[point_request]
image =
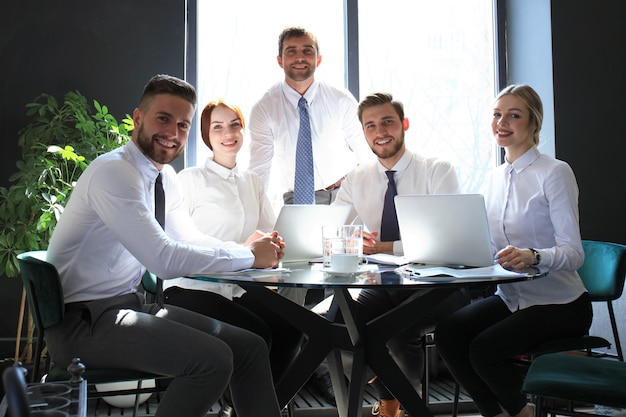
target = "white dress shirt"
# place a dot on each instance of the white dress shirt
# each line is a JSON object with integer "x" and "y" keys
{"x": 336, "y": 133}
{"x": 364, "y": 188}
{"x": 533, "y": 203}
{"x": 226, "y": 204}
{"x": 107, "y": 236}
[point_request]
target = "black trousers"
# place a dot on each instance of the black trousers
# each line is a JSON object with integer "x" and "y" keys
{"x": 204, "y": 355}
{"x": 406, "y": 348}
{"x": 480, "y": 341}
{"x": 282, "y": 339}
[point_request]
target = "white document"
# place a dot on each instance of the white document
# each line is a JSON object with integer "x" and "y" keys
{"x": 495, "y": 270}
{"x": 386, "y": 259}
{"x": 256, "y": 272}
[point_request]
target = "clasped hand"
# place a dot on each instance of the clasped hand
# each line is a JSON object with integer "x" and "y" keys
{"x": 267, "y": 249}
{"x": 372, "y": 246}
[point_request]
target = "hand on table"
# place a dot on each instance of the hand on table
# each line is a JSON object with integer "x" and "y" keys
{"x": 515, "y": 258}
{"x": 372, "y": 246}
{"x": 267, "y": 249}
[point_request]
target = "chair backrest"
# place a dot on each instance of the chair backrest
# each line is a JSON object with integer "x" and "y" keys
{"x": 43, "y": 288}
{"x": 604, "y": 269}
{"x": 15, "y": 392}
{"x": 149, "y": 282}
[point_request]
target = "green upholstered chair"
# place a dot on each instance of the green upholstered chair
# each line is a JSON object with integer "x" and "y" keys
{"x": 603, "y": 274}
{"x": 149, "y": 284}
{"x": 587, "y": 380}
{"x": 45, "y": 299}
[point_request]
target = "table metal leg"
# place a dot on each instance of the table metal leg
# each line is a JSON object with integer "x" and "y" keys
{"x": 371, "y": 338}
{"x": 321, "y": 337}
{"x": 366, "y": 340}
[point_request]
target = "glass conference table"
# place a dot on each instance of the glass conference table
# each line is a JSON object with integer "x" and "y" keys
{"x": 366, "y": 340}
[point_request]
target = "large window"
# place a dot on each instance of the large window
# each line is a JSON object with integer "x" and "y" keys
{"x": 437, "y": 58}
{"x": 434, "y": 56}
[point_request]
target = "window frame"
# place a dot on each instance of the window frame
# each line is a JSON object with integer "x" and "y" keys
{"x": 351, "y": 28}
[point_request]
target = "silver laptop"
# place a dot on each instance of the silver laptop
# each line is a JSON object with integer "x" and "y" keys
{"x": 301, "y": 228}
{"x": 448, "y": 229}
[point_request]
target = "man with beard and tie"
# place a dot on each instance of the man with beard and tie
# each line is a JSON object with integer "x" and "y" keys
{"x": 334, "y": 142}
{"x": 336, "y": 136}
{"x": 366, "y": 189}
{"x": 106, "y": 238}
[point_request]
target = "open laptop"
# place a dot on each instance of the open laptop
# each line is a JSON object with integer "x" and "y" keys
{"x": 449, "y": 229}
{"x": 301, "y": 228}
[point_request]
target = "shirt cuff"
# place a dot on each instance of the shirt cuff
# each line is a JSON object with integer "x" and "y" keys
{"x": 398, "y": 249}
{"x": 242, "y": 258}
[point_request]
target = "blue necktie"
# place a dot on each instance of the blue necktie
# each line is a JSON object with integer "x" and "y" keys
{"x": 303, "y": 187}
{"x": 389, "y": 230}
{"x": 159, "y": 214}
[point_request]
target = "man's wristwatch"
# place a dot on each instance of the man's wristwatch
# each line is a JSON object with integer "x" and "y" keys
{"x": 537, "y": 256}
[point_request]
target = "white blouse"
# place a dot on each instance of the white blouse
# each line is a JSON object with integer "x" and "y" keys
{"x": 533, "y": 203}
{"x": 227, "y": 205}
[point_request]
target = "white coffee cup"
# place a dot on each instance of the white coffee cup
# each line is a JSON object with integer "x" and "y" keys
{"x": 345, "y": 262}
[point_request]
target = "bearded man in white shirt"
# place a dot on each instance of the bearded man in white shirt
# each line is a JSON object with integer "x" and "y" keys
{"x": 364, "y": 188}
{"x": 336, "y": 138}
{"x": 108, "y": 236}
{"x": 336, "y": 135}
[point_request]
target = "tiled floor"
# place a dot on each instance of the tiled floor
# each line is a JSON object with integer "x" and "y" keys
{"x": 308, "y": 404}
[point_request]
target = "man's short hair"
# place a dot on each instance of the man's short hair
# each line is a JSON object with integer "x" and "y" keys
{"x": 376, "y": 99}
{"x": 295, "y": 32}
{"x": 167, "y": 84}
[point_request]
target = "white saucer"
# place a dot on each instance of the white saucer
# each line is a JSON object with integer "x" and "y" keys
{"x": 362, "y": 269}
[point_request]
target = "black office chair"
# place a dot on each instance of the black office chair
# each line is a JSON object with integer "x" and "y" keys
{"x": 603, "y": 274}
{"x": 45, "y": 299}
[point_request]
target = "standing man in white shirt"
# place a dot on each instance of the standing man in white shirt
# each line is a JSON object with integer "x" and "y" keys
{"x": 337, "y": 137}
{"x": 337, "y": 143}
{"x": 106, "y": 238}
{"x": 384, "y": 124}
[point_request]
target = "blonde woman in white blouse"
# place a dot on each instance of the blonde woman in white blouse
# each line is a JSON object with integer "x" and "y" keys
{"x": 532, "y": 205}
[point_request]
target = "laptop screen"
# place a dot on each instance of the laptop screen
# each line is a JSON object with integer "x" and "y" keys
{"x": 445, "y": 229}
{"x": 301, "y": 228}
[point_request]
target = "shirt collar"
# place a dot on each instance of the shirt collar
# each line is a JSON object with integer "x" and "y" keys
{"x": 145, "y": 166}
{"x": 401, "y": 165}
{"x": 220, "y": 170}
{"x": 294, "y": 97}
{"x": 525, "y": 160}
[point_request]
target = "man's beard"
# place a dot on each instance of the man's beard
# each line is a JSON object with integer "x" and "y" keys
{"x": 389, "y": 153}
{"x": 301, "y": 76}
{"x": 148, "y": 147}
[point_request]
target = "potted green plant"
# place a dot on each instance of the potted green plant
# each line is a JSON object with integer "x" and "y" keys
{"x": 57, "y": 144}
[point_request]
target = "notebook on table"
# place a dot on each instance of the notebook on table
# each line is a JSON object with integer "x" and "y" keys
{"x": 446, "y": 230}
{"x": 301, "y": 228}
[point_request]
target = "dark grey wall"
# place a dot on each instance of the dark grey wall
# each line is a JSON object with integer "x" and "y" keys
{"x": 105, "y": 50}
{"x": 588, "y": 40}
